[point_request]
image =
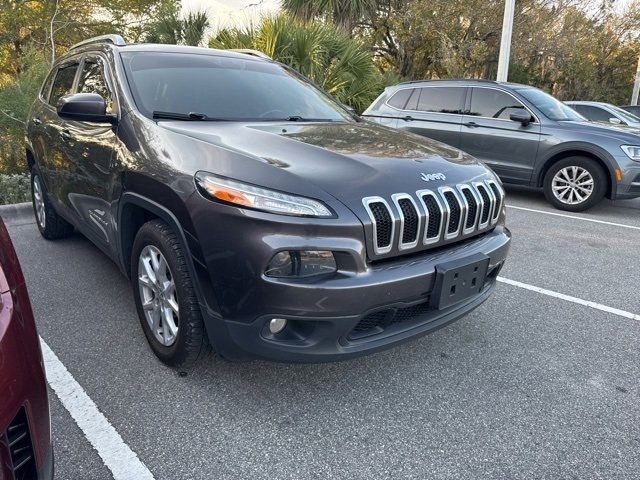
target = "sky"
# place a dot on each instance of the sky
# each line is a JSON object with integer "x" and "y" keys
{"x": 232, "y": 12}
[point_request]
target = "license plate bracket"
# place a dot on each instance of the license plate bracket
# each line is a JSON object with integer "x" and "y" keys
{"x": 459, "y": 280}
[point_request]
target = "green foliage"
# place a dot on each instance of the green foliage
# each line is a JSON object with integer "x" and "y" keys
{"x": 14, "y": 188}
{"x": 341, "y": 65}
{"x": 171, "y": 28}
{"x": 15, "y": 101}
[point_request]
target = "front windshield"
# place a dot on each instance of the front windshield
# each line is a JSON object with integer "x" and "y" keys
{"x": 224, "y": 88}
{"x": 624, "y": 115}
{"x": 550, "y": 106}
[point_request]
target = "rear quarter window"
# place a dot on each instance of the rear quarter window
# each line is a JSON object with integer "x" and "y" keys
{"x": 399, "y": 99}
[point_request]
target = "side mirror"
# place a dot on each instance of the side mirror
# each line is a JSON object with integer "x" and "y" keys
{"x": 615, "y": 121}
{"x": 84, "y": 107}
{"x": 521, "y": 116}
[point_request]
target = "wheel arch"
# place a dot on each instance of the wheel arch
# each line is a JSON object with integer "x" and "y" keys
{"x": 579, "y": 151}
{"x": 134, "y": 210}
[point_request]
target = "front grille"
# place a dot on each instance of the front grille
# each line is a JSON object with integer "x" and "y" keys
{"x": 378, "y": 321}
{"x": 18, "y": 440}
{"x": 438, "y": 216}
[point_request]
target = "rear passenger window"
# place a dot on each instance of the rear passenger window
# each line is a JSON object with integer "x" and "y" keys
{"x": 441, "y": 99}
{"x": 46, "y": 86}
{"x": 594, "y": 114}
{"x": 63, "y": 83}
{"x": 491, "y": 103}
{"x": 399, "y": 100}
{"x": 92, "y": 81}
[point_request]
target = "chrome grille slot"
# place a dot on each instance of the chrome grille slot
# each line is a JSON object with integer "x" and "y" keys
{"x": 454, "y": 212}
{"x": 487, "y": 204}
{"x": 433, "y": 210}
{"x": 499, "y": 198}
{"x": 471, "y": 204}
{"x": 383, "y": 223}
{"x": 410, "y": 220}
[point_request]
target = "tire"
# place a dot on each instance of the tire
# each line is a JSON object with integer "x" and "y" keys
{"x": 564, "y": 193}
{"x": 182, "y": 347}
{"x": 51, "y": 225}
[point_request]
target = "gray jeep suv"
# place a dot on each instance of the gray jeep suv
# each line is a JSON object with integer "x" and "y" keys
{"x": 525, "y": 135}
{"x": 254, "y": 213}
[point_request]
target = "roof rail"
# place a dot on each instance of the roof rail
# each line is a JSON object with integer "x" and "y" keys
{"x": 478, "y": 80}
{"x": 111, "y": 38}
{"x": 248, "y": 51}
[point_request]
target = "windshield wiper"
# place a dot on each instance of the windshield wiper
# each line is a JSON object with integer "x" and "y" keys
{"x": 298, "y": 118}
{"x": 182, "y": 116}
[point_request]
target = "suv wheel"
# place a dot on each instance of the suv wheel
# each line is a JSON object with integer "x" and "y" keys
{"x": 575, "y": 184}
{"x": 50, "y": 224}
{"x": 165, "y": 298}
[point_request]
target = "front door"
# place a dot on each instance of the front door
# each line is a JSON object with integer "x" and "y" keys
{"x": 91, "y": 146}
{"x": 508, "y": 147}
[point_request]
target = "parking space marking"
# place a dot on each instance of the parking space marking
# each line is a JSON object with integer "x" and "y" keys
{"x": 575, "y": 217}
{"x": 116, "y": 455}
{"x": 569, "y": 298}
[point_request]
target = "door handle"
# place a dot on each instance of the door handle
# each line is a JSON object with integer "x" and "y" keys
{"x": 65, "y": 134}
{"x": 37, "y": 121}
{"x": 471, "y": 124}
{"x": 408, "y": 118}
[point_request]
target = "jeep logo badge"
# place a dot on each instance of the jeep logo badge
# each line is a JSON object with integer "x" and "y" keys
{"x": 427, "y": 177}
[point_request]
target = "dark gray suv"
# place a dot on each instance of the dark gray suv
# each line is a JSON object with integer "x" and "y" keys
{"x": 253, "y": 212}
{"x": 525, "y": 135}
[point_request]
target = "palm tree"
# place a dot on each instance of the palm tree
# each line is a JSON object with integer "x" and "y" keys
{"x": 344, "y": 13}
{"x": 339, "y": 64}
{"x": 171, "y": 28}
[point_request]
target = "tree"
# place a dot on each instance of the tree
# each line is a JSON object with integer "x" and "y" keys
{"x": 171, "y": 28}
{"x": 339, "y": 64}
{"x": 345, "y": 14}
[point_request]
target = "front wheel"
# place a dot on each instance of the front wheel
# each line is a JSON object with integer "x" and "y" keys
{"x": 575, "y": 184}
{"x": 165, "y": 297}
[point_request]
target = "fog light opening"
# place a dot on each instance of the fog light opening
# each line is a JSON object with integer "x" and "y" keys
{"x": 277, "y": 325}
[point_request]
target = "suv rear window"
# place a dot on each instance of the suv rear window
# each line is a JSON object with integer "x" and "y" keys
{"x": 441, "y": 99}
{"x": 63, "y": 84}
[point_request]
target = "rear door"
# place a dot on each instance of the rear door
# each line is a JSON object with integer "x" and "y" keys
{"x": 508, "y": 147}
{"x": 435, "y": 112}
{"x": 55, "y": 165}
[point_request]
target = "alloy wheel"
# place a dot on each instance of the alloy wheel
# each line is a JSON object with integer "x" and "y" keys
{"x": 158, "y": 295}
{"x": 572, "y": 185}
{"x": 38, "y": 202}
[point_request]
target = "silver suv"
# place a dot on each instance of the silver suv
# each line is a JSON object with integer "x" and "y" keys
{"x": 525, "y": 135}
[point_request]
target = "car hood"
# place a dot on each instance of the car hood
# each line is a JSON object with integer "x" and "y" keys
{"x": 347, "y": 160}
{"x": 622, "y": 132}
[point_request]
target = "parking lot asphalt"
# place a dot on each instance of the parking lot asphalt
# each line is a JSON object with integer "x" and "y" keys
{"x": 526, "y": 386}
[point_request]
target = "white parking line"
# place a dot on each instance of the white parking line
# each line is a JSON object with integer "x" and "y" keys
{"x": 116, "y": 455}
{"x": 569, "y": 298}
{"x": 575, "y": 217}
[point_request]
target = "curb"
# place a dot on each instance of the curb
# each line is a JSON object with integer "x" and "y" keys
{"x": 17, "y": 213}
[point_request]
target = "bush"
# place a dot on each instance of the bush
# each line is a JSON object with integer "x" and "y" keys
{"x": 15, "y": 188}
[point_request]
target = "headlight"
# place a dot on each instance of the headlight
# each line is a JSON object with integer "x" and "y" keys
{"x": 301, "y": 263}
{"x": 632, "y": 151}
{"x": 250, "y": 196}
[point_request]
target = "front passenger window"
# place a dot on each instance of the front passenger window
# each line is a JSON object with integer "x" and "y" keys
{"x": 92, "y": 81}
{"x": 492, "y": 103}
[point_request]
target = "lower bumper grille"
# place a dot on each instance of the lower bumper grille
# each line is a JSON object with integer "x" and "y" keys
{"x": 18, "y": 441}
{"x": 377, "y": 322}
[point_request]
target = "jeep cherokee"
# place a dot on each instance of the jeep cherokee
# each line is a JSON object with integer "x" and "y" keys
{"x": 253, "y": 213}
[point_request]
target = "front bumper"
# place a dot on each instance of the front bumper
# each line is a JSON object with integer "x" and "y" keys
{"x": 324, "y": 315}
{"x": 629, "y": 187}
